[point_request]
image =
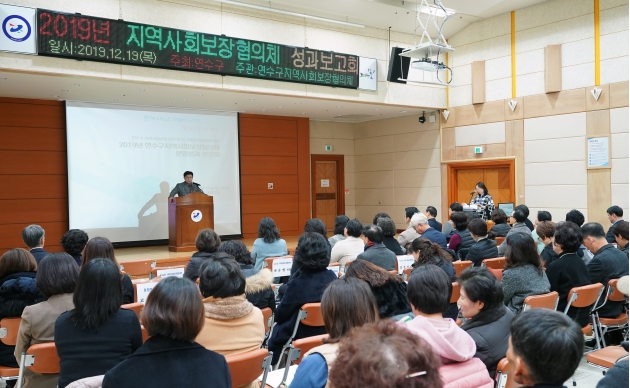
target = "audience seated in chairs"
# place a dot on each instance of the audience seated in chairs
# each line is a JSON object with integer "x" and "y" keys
{"x": 545, "y": 348}
{"x": 34, "y": 237}
{"x": 73, "y": 242}
{"x": 448, "y": 229}
{"x": 620, "y": 231}
{"x": 351, "y": 247}
{"x": 568, "y": 270}
{"x": 615, "y": 216}
{"x": 577, "y": 218}
{"x": 523, "y": 274}
{"x": 525, "y": 210}
{"x": 422, "y": 226}
{"x": 379, "y": 215}
{"x": 484, "y": 247}
{"x": 519, "y": 227}
{"x": 100, "y": 247}
{"x": 306, "y": 286}
{"x": 389, "y": 290}
{"x": 207, "y": 243}
{"x": 56, "y": 279}
{"x": 257, "y": 283}
{"x": 173, "y": 316}
{"x": 408, "y": 235}
{"x": 388, "y": 227}
{"x": 385, "y": 354}
{"x": 97, "y": 334}
{"x": 429, "y": 291}
{"x": 347, "y": 303}
{"x": 17, "y": 291}
{"x": 487, "y": 319}
{"x": 431, "y": 213}
{"x": 375, "y": 251}
{"x": 425, "y": 251}
{"x": 501, "y": 227}
{"x": 461, "y": 239}
{"x": 338, "y": 235}
{"x": 545, "y": 231}
{"x": 542, "y": 216}
{"x": 232, "y": 324}
{"x": 268, "y": 243}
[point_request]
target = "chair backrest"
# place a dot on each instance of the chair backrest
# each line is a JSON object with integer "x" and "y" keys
{"x": 496, "y": 263}
{"x": 504, "y": 377}
{"x": 455, "y": 293}
{"x": 306, "y": 344}
{"x": 498, "y": 273}
{"x": 407, "y": 273}
{"x": 499, "y": 240}
{"x": 311, "y": 314}
{"x": 393, "y": 272}
{"x": 267, "y": 314}
{"x": 613, "y": 293}
{"x": 9, "y": 330}
{"x": 136, "y": 307}
{"x": 138, "y": 268}
{"x": 543, "y": 301}
{"x": 172, "y": 261}
{"x": 460, "y": 266}
{"x": 246, "y": 367}
{"x": 165, "y": 272}
{"x": 584, "y": 296}
{"x": 42, "y": 358}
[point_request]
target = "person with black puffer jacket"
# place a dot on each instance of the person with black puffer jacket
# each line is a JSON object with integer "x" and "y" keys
{"x": 207, "y": 243}
{"x": 484, "y": 247}
{"x": 462, "y": 240}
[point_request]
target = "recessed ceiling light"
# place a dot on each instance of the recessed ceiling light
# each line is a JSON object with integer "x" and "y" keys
{"x": 303, "y": 113}
{"x": 76, "y": 84}
{"x": 298, "y": 103}
{"x": 280, "y": 107}
{"x": 65, "y": 90}
{"x": 200, "y": 95}
{"x": 375, "y": 108}
{"x": 142, "y": 90}
{"x": 54, "y": 95}
{"x": 251, "y": 99}
{"x": 184, "y": 99}
{"x": 219, "y": 107}
{"x": 339, "y": 106}
{"x": 115, "y": 99}
{"x": 402, "y": 111}
{"x": 263, "y": 110}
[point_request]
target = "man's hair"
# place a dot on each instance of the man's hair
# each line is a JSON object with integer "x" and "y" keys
{"x": 340, "y": 224}
{"x": 221, "y": 277}
{"x": 616, "y": 210}
{"x": 621, "y": 229}
{"x": 429, "y": 289}
{"x": 593, "y": 229}
{"x": 74, "y": 241}
{"x": 498, "y": 216}
{"x": 238, "y": 250}
{"x": 543, "y": 215}
{"x": 33, "y": 235}
{"x": 207, "y": 241}
{"x": 575, "y": 216}
{"x": 57, "y": 273}
{"x": 549, "y": 343}
{"x": 457, "y": 207}
{"x": 387, "y": 225}
{"x": 410, "y": 211}
{"x": 268, "y": 231}
{"x": 480, "y": 285}
{"x": 519, "y": 216}
{"x": 460, "y": 220}
{"x": 432, "y": 210}
{"x": 569, "y": 236}
{"x": 379, "y": 215}
{"x": 523, "y": 208}
{"x": 188, "y": 173}
{"x": 545, "y": 229}
{"x": 373, "y": 233}
{"x": 354, "y": 228}
{"x": 418, "y": 219}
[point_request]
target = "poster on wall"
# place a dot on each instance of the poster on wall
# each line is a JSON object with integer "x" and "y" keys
{"x": 368, "y": 75}
{"x": 598, "y": 152}
{"x": 18, "y": 33}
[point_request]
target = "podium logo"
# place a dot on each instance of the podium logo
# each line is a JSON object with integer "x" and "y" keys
{"x": 16, "y": 28}
{"x": 196, "y": 215}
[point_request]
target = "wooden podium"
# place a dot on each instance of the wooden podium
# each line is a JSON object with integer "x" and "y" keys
{"x": 187, "y": 215}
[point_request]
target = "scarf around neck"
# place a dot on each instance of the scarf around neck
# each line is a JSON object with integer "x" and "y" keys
{"x": 225, "y": 309}
{"x": 485, "y": 317}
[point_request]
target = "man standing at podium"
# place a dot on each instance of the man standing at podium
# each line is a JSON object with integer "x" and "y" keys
{"x": 186, "y": 187}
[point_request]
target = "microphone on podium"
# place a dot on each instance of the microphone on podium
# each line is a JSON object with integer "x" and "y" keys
{"x": 472, "y": 192}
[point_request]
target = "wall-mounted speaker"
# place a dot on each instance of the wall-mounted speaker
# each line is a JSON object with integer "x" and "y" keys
{"x": 398, "y": 66}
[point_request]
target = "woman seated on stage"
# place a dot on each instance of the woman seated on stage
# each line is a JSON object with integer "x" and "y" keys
{"x": 100, "y": 247}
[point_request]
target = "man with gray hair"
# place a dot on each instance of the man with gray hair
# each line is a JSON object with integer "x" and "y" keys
{"x": 420, "y": 223}
{"x": 34, "y": 236}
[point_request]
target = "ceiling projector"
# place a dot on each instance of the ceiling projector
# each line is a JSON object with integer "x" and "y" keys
{"x": 427, "y": 64}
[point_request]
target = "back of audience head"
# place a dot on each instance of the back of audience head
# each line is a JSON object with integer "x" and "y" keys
{"x": 370, "y": 273}
{"x": 524, "y": 209}
{"x": 615, "y": 210}
{"x": 340, "y": 224}
{"x": 543, "y": 215}
{"x": 74, "y": 241}
{"x": 460, "y": 221}
{"x": 17, "y": 260}
{"x": 545, "y": 347}
{"x": 57, "y": 274}
{"x": 575, "y": 216}
{"x": 99, "y": 247}
{"x": 410, "y": 211}
{"x": 385, "y": 354}
{"x": 431, "y": 211}
{"x": 479, "y": 291}
{"x": 33, "y": 236}
{"x": 456, "y": 207}
{"x": 621, "y": 232}
{"x": 567, "y": 237}
{"x": 174, "y": 310}
{"x": 347, "y": 303}
{"x": 221, "y": 277}
{"x": 427, "y": 251}
{"x": 418, "y": 219}
{"x": 593, "y": 236}
{"x": 519, "y": 216}
{"x": 429, "y": 290}
{"x": 478, "y": 228}
{"x": 312, "y": 253}
{"x": 388, "y": 226}
{"x": 354, "y": 228}
{"x": 317, "y": 226}
{"x": 545, "y": 230}
{"x": 498, "y": 216}
{"x": 379, "y": 215}
{"x": 98, "y": 294}
{"x": 237, "y": 250}
{"x": 267, "y": 230}
{"x": 520, "y": 251}
{"x": 374, "y": 233}
{"x": 208, "y": 241}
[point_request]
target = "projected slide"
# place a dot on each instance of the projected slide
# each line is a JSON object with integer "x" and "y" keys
{"x": 123, "y": 161}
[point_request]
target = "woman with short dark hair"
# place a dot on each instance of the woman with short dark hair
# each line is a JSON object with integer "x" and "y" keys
{"x": 340, "y": 225}
{"x": 101, "y": 247}
{"x": 545, "y": 231}
{"x": 347, "y": 303}
{"x": 424, "y": 251}
{"x": 389, "y": 290}
{"x": 306, "y": 286}
{"x": 268, "y": 243}
{"x": 97, "y": 334}
{"x": 17, "y": 291}
{"x": 207, "y": 243}
{"x": 484, "y": 247}
{"x": 568, "y": 270}
{"x": 73, "y": 242}
{"x": 388, "y": 227}
{"x": 461, "y": 240}
{"x": 257, "y": 283}
{"x": 173, "y": 316}
{"x": 487, "y": 319}
{"x": 56, "y": 278}
{"x": 501, "y": 226}
{"x": 524, "y": 274}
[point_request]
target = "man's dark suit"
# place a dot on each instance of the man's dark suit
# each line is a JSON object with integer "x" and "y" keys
{"x": 38, "y": 254}
{"x": 184, "y": 188}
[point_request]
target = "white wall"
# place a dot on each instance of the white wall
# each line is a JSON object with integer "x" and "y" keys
{"x": 619, "y": 172}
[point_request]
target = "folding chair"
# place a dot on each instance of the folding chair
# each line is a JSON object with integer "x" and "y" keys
{"x": 246, "y": 367}
{"x": 164, "y": 272}
{"x": 607, "y": 357}
{"x": 40, "y": 358}
{"x": 543, "y": 301}
{"x": 499, "y": 240}
{"x": 336, "y": 268}
{"x": 138, "y": 269}
{"x": 498, "y": 273}
{"x": 460, "y": 266}
{"x": 407, "y": 273}
{"x": 585, "y": 297}
{"x": 299, "y": 348}
{"x": 267, "y": 318}
{"x": 172, "y": 261}
{"x": 135, "y": 307}
{"x": 8, "y": 336}
{"x": 310, "y": 315}
{"x": 620, "y": 322}
{"x": 455, "y": 293}
{"x": 503, "y": 378}
{"x": 496, "y": 263}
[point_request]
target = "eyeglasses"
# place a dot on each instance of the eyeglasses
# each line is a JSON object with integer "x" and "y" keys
{"x": 415, "y": 374}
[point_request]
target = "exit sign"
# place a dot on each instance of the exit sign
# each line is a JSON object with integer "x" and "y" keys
{"x": 479, "y": 150}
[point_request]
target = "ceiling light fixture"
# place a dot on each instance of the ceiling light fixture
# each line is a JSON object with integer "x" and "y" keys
{"x": 200, "y": 95}
{"x": 142, "y": 90}
{"x": 302, "y": 15}
{"x": 76, "y": 84}
{"x": 65, "y": 90}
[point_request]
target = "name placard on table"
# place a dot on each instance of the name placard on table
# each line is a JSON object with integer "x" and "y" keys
{"x": 404, "y": 262}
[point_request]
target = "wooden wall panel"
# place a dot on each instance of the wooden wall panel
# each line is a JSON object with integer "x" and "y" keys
{"x": 34, "y": 186}
{"x": 553, "y": 68}
{"x": 11, "y": 235}
{"x": 568, "y": 101}
{"x": 518, "y": 111}
{"x": 282, "y": 184}
{"x": 32, "y": 162}
{"x": 515, "y": 146}
{"x": 267, "y": 126}
{"x": 604, "y": 98}
{"x": 39, "y": 139}
{"x": 495, "y": 150}
{"x": 304, "y": 170}
{"x": 489, "y": 112}
{"x": 270, "y": 203}
{"x": 26, "y": 115}
{"x": 478, "y": 69}
{"x": 599, "y": 190}
{"x": 286, "y": 222}
{"x": 448, "y": 144}
{"x": 282, "y": 165}
{"x": 263, "y": 146}
{"x": 619, "y": 94}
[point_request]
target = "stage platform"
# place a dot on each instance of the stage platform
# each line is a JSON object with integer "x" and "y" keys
{"x": 162, "y": 252}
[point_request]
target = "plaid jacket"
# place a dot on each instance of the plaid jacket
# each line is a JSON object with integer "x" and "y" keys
{"x": 485, "y": 200}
